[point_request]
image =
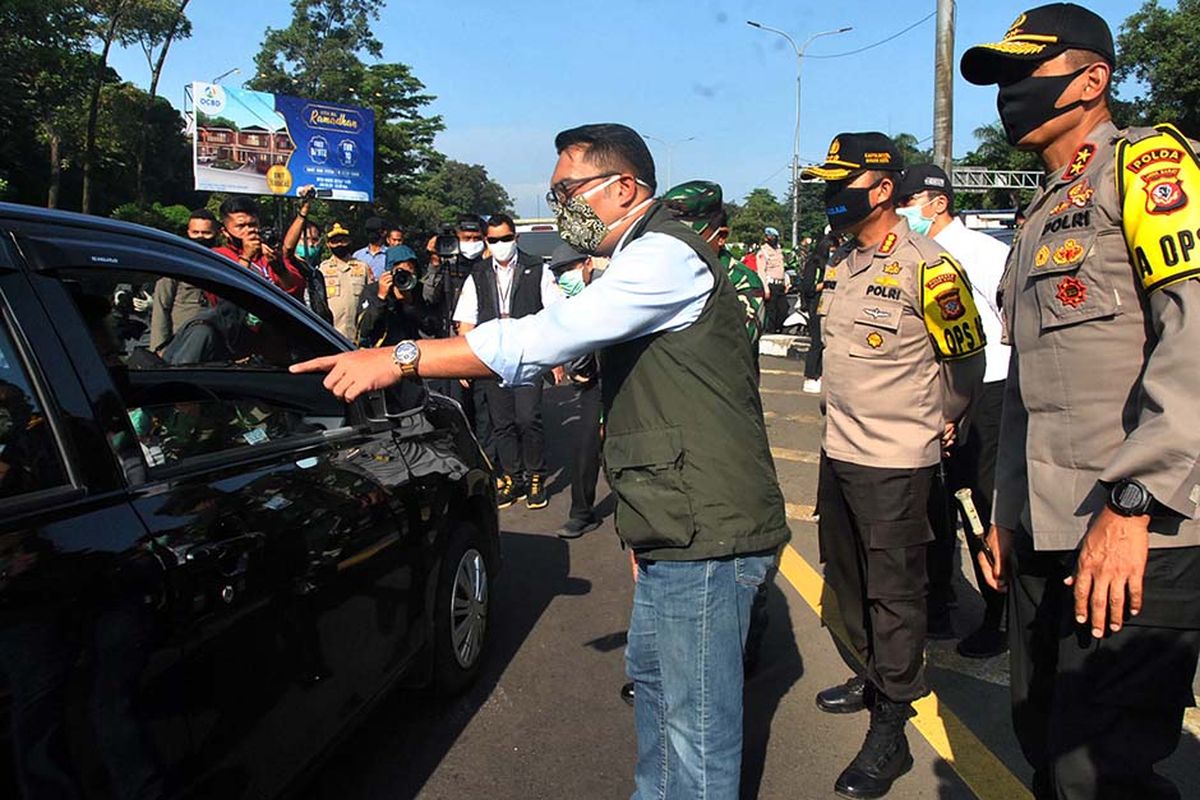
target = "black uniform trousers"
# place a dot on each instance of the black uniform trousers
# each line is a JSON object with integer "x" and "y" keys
{"x": 586, "y": 465}
{"x": 517, "y": 431}
{"x": 814, "y": 360}
{"x": 873, "y": 533}
{"x": 777, "y": 307}
{"x": 1094, "y": 716}
{"x": 972, "y": 465}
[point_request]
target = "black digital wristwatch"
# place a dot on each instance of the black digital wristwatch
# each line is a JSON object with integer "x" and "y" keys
{"x": 1129, "y": 498}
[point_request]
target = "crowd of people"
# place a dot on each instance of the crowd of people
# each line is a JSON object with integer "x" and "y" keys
{"x": 959, "y": 383}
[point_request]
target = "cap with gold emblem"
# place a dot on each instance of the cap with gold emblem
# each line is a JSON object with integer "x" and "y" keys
{"x": 1036, "y": 36}
{"x": 853, "y": 152}
{"x": 337, "y": 231}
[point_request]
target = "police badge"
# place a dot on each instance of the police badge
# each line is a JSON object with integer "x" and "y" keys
{"x": 1164, "y": 191}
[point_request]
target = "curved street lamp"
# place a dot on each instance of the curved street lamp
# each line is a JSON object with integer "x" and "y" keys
{"x": 799, "y": 51}
{"x": 670, "y": 151}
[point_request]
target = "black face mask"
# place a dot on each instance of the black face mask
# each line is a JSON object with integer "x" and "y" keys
{"x": 342, "y": 252}
{"x": 846, "y": 206}
{"x": 1027, "y": 104}
{"x": 206, "y": 241}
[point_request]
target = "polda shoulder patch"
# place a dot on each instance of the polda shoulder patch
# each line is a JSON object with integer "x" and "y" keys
{"x": 1157, "y": 180}
{"x": 948, "y": 305}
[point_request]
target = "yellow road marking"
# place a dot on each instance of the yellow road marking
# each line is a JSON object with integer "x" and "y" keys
{"x": 781, "y": 372}
{"x": 803, "y": 456}
{"x": 801, "y": 512}
{"x": 766, "y": 390}
{"x": 980, "y": 769}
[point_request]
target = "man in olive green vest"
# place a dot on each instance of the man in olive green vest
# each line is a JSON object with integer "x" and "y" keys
{"x": 685, "y": 449}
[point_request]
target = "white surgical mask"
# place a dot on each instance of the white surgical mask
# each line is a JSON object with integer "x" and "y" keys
{"x": 504, "y": 251}
{"x": 471, "y": 249}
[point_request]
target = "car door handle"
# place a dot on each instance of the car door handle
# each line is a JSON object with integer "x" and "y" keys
{"x": 229, "y": 558}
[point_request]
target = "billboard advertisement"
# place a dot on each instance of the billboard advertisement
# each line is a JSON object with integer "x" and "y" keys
{"x": 250, "y": 142}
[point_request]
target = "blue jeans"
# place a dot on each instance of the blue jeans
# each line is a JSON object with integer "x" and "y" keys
{"x": 686, "y": 638}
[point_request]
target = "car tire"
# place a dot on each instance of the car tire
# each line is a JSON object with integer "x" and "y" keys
{"x": 461, "y": 628}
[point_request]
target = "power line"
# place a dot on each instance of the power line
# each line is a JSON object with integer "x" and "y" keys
{"x": 924, "y": 19}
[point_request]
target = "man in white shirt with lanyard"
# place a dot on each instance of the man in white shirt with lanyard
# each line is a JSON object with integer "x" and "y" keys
{"x": 927, "y": 202}
{"x": 511, "y": 284}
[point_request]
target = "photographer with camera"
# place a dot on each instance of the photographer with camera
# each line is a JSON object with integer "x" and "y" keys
{"x": 303, "y": 242}
{"x": 396, "y": 310}
{"x": 453, "y": 253}
{"x": 245, "y": 244}
{"x": 346, "y": 281}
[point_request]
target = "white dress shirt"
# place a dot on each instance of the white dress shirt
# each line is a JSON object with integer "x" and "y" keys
{"x": 467, "y": 309}
{"x": 653, "y": 285}
{"x": 983, "y": 257}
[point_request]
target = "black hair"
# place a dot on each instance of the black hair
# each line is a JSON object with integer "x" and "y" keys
{"x": 309, "y": 225}
{"x": 204, "y": 214}
{"x": 501, "y": 220}
{"x": 719, "y": 219}
{"x": 611, "y": 146}
{"x": 239, "y": 204}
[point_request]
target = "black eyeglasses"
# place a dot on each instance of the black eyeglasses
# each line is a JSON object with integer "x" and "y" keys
{"x": 565, "y": 189}
{"x": 497, "y": 239}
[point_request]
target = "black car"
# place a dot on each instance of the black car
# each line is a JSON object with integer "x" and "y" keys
{"x": 209, "y": 567}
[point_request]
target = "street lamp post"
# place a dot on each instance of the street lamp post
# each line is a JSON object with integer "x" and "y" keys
{"x": 226, "y": 74}
{"x": 799, "y": 51}
{"x": 670, "y": 152}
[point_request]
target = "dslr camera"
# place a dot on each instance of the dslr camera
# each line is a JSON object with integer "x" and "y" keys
{"x": 403, "y": 280}
{"x": 446, "y": 245}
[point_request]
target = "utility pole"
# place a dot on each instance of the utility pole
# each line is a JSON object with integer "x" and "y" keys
{"x": 943, "y": 88}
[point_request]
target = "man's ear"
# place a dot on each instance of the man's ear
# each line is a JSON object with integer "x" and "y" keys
{"x": 890, "y": 183}
{"x": 1098, "y": 75}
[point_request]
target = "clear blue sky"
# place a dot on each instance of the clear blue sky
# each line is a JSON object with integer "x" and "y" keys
{"x": 508, "y": 76}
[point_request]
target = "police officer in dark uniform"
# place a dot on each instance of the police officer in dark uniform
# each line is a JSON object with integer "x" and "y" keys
{"x": 903, "y": 359}
{"x": 1095, "y": 533}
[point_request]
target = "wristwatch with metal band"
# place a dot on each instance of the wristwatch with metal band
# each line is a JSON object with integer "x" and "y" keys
{"x": 1129, "y": 498}
{"x": 406, "y": 355}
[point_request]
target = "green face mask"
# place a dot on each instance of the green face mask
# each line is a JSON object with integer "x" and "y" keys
{"x": 307, "y": 251}
{"x": 917, "y": 221}
{"x": 571, "y": 282}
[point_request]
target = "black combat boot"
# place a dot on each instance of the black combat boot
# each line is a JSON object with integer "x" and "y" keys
{"x": 848, "y": 698}
{"x": 884, "y": 756}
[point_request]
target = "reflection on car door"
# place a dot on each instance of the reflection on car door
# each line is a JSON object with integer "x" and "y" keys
{"x": 90, "y": 684}
{"x": 291, "y": 581}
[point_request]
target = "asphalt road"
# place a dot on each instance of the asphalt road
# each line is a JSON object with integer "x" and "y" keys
{"x": 545, "y": 720}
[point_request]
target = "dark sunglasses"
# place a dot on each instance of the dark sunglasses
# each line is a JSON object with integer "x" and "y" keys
{"x": 497, "y": 239}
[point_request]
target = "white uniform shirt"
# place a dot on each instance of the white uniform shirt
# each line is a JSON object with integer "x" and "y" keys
{"x": 983, "y": 257}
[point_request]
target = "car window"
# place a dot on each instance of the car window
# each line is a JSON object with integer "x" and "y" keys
{"x": 29, "y": 459}
{"x": 201, "y": 369}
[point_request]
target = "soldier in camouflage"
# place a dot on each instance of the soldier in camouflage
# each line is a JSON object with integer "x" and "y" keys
{"x": 699, "y": 204}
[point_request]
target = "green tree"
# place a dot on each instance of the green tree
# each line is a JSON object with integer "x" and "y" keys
{"x": 164, "y": 22}
{"x": 320, "y": 54}
{"x": 1159, "y": 66}
{"x": 45, "y": 65}
{"x": 994, "y": 152}
{"x": 760, "y": 210}
{"x": 454, "y": 188}
{"x": 910, "y": 149}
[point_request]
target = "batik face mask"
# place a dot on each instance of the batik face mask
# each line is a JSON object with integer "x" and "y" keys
{"x": 581, "y": 227}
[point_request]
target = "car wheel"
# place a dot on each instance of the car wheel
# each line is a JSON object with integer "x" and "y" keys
{"x": 460, "y": 615}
